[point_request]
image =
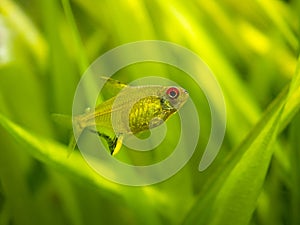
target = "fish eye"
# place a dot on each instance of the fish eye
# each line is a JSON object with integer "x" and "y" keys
{"x": 173, "y": 92}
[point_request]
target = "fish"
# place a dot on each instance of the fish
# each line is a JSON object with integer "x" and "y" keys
{"x": 133, "y": 110}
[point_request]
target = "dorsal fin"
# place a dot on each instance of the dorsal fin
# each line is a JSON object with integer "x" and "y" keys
{"x": 111, "y": 87}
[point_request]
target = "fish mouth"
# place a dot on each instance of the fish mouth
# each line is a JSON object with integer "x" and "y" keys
{"x": 185, "y": 95}
{"x": 184, "y": 98}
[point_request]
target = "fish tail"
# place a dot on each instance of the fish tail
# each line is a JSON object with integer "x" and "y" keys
{"x": 72, "y": 145}
{"x": 68, "y": 121}
{"x": 77, "y": 131}
{"x": 62, "y": 119}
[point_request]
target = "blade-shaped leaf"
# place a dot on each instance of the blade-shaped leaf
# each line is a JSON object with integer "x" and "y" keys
{"x": 55, "y": 155}
{"x": 231, "y": 199}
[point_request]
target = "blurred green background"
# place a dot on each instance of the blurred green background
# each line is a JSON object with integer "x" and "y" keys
{"x": 252, "y": 48}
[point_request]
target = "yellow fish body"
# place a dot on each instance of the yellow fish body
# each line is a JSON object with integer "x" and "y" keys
{"x": 135, "y": 109}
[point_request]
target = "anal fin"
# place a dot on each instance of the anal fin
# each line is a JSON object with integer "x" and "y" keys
{"x": 117, "y": 145}
{"x": 114, "y": 144}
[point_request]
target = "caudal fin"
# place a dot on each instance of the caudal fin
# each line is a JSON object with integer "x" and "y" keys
{"x": 62, "y": 120}
{"x": 66, "y": 121}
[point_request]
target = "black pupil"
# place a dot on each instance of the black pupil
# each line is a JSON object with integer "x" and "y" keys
{"x": 173, "y": 93}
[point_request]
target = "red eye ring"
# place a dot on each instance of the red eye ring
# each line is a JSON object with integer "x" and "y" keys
{"x": 173, "y": 92}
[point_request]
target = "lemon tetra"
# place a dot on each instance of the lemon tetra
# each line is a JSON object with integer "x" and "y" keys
{"x": 133, "y": 110}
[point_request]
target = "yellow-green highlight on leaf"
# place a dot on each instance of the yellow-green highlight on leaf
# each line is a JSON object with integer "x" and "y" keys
{"x": 82, "y": 59}
{"x": 24, "y": 27}
{"x": 55, "y": 154}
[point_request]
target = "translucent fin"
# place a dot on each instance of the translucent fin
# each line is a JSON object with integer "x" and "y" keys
{"x": 77, "y": 129}
{"x": 63, "y": 120}
{"x": 113, "y": 83}
{"x": 72, "y": 145}
{"x": 114, "y": 144}
{"x": 111, "y": 87}
{"x": 66, "y": 121}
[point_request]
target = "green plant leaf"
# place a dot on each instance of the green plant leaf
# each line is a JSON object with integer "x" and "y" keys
{"x": 25, "y": 28}
{"x": 251, "y": 48}
{"x": 232, "y": 198}
{"x": 55, "y": 155}
{"x": 293, "y": 172}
